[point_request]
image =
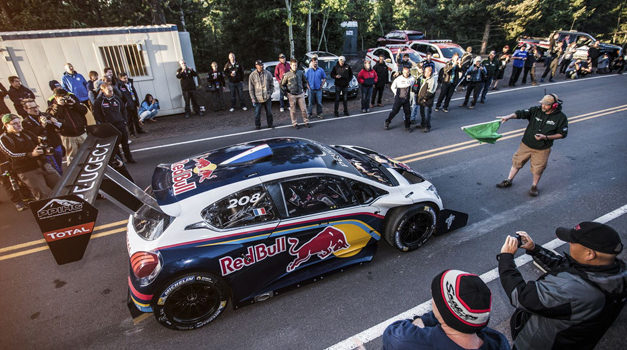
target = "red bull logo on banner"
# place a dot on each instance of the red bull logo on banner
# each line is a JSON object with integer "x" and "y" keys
{"x": 325, "y": 243}
{"x": 204, "y": 168}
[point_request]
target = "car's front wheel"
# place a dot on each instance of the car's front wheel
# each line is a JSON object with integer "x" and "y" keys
{"x": 191, "y": 301}
{"x": 408, "y": 228}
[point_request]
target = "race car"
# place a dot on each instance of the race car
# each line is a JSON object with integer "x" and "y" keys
{"x": 241, "y": 223}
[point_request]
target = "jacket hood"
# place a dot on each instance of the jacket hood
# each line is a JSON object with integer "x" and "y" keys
{"x": 612, "y": 280}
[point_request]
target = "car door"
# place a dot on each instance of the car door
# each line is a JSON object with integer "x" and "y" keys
{"x": 324, "y": 222}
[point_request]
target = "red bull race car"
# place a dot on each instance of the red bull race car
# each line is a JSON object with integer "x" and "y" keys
{"x": 244, "y": 222}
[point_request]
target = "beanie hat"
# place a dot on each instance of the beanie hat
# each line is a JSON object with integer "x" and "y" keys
{"x": 6, "y": 118}
{"x": 462, "y": 299}
{"x": 54, "y": 84}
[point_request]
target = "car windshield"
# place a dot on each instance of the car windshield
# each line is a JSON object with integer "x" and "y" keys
{"x": 449, "y": 51}
{"x": 415, "y": 36}
{"x": 414, "y": 57}
{"x": 365, "y": 165}
{"x": 327, "y": 65}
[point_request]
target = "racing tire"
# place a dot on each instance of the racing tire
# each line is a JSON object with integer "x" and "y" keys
{"x": 408, "y": 228}
{"x": 191, "y": 301}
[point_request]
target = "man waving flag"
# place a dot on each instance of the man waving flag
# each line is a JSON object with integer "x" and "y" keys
{"x": 484, "y": 132}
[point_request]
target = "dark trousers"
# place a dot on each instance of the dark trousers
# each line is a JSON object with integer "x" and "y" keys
{"x": 282, "y": 97}
{"x": 124, "y": 140}
{"x": 425, "y": 116}
{"x": 133, "y": 121}
{"x": 267, "y": 106}
{"x": 190, "y": 96}
{"x": 218, "y": 98}
{"x": 14, "y": 196}
{"x": 485, "y": 86}
{"x": 446, "y": 92}
{"x": 475, "y": 88}
{"x": 366, "y": 94}
{"x": 236, "y": 93}
{"x": 341, "y": 91}
{"x": 525, "y": 73}
{"x": 515, "y": 74}
{"x": 547, "y": 66}
{"x": 56, "y": 159}
{"x": 564, "y": 65}
{"x": 398, "y": 103}
{"x": 378, "y": 91}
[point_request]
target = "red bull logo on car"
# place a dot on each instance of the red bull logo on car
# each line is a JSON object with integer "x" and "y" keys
{"x": 204, "y": 168}
{"x": 325, "y": 243}
{"x": 180, "y": 175}
{"x": 254, "y": 254}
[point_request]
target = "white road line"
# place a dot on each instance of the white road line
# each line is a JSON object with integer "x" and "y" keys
{"x": 331, "y": 119}
{"x": 377, "y": 330}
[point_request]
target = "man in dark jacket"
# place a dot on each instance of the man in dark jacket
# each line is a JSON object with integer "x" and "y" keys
{"x": 342, "y": 73}
{"x": 474, "y": 78}
{"x": 45, "y": 127}
{"x": 491, "y": 65}
{"x": 3, "y": 106}
{"x": 235, "y": 74}
{"x": 66, "y": 109}
{"x": 294, "y": 83}
{"x": 462, "y": 326}
{"x": 448, "y": 78}
{"x": 131, "y": 100}
{"x": 594, "y": 53}
{"x": 382, "y": 69}
{"x": 18, "y": 92}
{"x": 26, "y": 158}
{"x": 576, "y": 301}
{"x": 546, "y": 124}
{"x": 186, "y": 75}
{"x": 108, "y": 108}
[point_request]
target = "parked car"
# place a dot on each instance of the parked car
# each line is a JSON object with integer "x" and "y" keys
{"x": 327, "y": 61}
{"x": 441, "y": 51}
{"x": 243, "y": 222}
{"x": 400, "y": 37}
{"x": 276, "y": 94}
{"x": 390, "y": 52}
{"x": 584, "y": 42}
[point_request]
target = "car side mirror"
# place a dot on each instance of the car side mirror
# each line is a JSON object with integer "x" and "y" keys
{"x": 388, "y": 60}
{"x": 436, "y": 55}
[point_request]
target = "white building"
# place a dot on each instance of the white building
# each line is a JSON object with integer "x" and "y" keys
{"x": 149, "y": 54}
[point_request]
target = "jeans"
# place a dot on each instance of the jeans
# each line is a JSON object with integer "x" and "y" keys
{"x": 486, "y": 86}
{"x": 237, "y": 91}
{"x": 425, "y": 118}
{"x": 378, "y": 91}
{"x": 281, "y": 98}
{"x": 190, "y": 96}
{"x": 148, "y": 115}
{"x": 56, "y": 159}
{"x": 446, "y": 92}
{"x": 267, "y": 106}
{"x": 473, "y": 86}
{"x": 415, "y": 108}
{"x": 515, "y": 74}
{"x": 366, "y": 94}
{"x": 344, "y": 92}
{"x": 315, "y": 96}
{"x": 398, "y": 103}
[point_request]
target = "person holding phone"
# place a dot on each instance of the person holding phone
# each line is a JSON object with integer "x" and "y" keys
{"x": 546, "y": 124}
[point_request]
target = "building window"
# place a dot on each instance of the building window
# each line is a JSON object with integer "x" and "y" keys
{"x": 125, "y": 58}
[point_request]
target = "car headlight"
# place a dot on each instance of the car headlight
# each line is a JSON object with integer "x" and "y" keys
{"x": 353, "y": 82}
{"x": 432, "y": 189}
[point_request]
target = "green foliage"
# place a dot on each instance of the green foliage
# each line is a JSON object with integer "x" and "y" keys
{"x": 258, "y": 29}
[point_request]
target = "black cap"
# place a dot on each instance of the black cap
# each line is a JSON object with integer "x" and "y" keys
{"x": 281, "y": 55}
{"x": 54, "y": 84}
{"x": 258, "y": 63}
{"x": 593, "y": 235}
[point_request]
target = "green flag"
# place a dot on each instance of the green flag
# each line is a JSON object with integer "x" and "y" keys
{"x": 484, "y": 132}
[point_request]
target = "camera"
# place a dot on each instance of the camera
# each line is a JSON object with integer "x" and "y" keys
{"x": 519, "y": 239}
{"x": 67, "y": 100}
{"x": 43, "y": 144}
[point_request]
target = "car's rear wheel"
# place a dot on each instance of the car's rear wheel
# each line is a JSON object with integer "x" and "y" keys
{"x": 191, "y": 301}
{"x": 408, "y": 228}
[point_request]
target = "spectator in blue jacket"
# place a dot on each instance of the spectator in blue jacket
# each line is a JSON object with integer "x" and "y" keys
{"x": 518, "y": 58}
{"x": 75, "y": 83}
{"x": 316, "y": 79}
{"x": 148, "y": 109}
{"x": 461, "y": 310}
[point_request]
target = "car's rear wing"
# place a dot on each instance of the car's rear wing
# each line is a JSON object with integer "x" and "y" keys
{"x": 67, "y": 218}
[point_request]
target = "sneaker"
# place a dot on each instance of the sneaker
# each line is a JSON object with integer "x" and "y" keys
{"x": 320, "y": 116}
{"x": 231, "y": 109}
{"x": 471, "y": 106}
{"x": 129, "y": 142}
{"x": 533, "y": 191}
{"x": 504, "y": 184}
{"x": 437, "y": 109}
{"x": 386, "y": 125}
{"x": 426, "y": 130}
{"x": 367, "y": 110}
{"x": 363, "y": 111}
{"x": 20, "y": 206}
{"x": 244, "y": 108}
{"x": 445, "y": 110}
{"x": 281, "y": 109}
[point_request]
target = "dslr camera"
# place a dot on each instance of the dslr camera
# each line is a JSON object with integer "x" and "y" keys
{"x": 43, "y": 144}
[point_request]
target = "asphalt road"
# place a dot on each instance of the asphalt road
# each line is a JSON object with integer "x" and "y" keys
{"x": 82, "y": 305}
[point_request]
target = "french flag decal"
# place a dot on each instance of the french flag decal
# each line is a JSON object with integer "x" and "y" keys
{"x": 256, "y": 152}
{"x": 259, "y": 212}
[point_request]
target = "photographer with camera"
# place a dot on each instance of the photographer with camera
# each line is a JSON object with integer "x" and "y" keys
{"x": 71, "y": 114}
{"x": 45, "y": 127}
{"x": 25, "y": 154}
{"x": 576, "y": 301}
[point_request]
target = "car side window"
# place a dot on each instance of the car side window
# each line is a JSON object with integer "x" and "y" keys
{"x": 365, "y": 193}
{"x": 314, "y": 194}
{"x": 433, "y": 50}
{"x": 246, "y": 207}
